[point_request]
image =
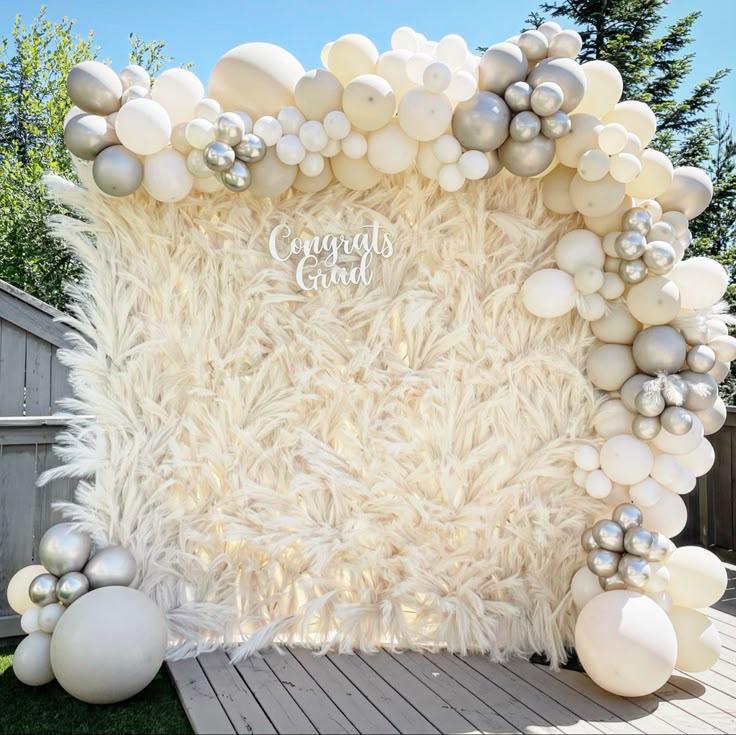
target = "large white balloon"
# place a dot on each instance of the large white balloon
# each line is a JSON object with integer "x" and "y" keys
{"x": 317, "y": 93}
{"x": 680, "y": 444}
{"x": 702, "y": 282}
{"x": 596, "y": 198}
{"x": 549, "y": 293}
{"x": 582, "y": 137}
{"x": 603, "y": 89}
{"x": 656, "y": 300}
{"x": 617, "y": 326}
{"x": 178, "y": 91}
{"x": 17, "y": 591}
{"x": 636, "y": 117}
{"x": 369, "y": 102}
{"x": 667, "y": 516}
{"x": 609, "y": 366}
{"x": 626, "y": 643}
{"x": 143, "y": 126}
{"x": 655, "y": 177}
{"x": 271, "y": 177}
{"x": 166, "y": 176}
{"x": 556, "y": 190}
{"x": 352, "y": 55}
{"x": 700, "y": 460}
{"x": 109, "y": 645}
{"x": 612, "y": 418}
{"x": 626, "y": 459}
{"x": 690, "y": 192}
{"x": 391, "y": 150}
{"x": 32, "y": 660}
{"x": 579, "y": 248}
{"x": 354, "y": 173}
{"x": 698, "y": 577}
{"x": 424, "y": 115}
{"x": 698, "y": 642}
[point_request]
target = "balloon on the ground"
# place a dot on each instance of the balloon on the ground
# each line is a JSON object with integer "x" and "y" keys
{"x": 698, "y": 641}
{"x": 32, "y": 660}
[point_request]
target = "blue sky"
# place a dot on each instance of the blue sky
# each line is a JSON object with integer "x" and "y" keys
{"x": 200, "y": 31}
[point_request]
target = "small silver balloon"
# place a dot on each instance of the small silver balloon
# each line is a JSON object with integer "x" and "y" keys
{"x": 649, "y": 403}
{"x": 661, "y": 548}
{"x": 675, "y": 391}
{"x": 219, "y": 156}
{"x": 547, "y": 98}
{"x": 660, "y": 257}
{"x": 663, "y": 231}
{"x": 676, "y": 420}
{"x": 587, "y": 541}
{"x": 659, "y": 349}
{"x": 638, "y": 220}
{"x": 524, "y": 126}
{"x": 637, "y": 541}
{"x": 702, "y": 390}
{"x": 527, "y": 158}
{"x": 603, "y": 562}
{"x": 117, "y": 171}
{"x": 42, "y": 590}
{"x": 627, "y": 515}
{"x": 64, "y": 549}
{"x": 630, "y": 245}
{"x": 634, "y": 570}
{"x": 609, "y": 535}
{"x": 71, "y": 587}
{"x": 113, "y": 566}
{"x": 614, "y": 582}
{"x": 229, "y": 128}
{"x": 94, "y": 87}
{"x": 237, "y": 177}
{"x": 86, "y": 135}
{"x": 482, "y": 122}
{"x": 251, "y": 149}
{"x": 646, "y": 427}
{"x": 632, "y": 271}
{"x": 556, "y": 125}
{"x": 518, "y": 96}
{"x": 701, "y": 358}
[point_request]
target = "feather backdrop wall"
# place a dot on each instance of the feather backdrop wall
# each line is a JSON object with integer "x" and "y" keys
{"x": 384, "y": 464}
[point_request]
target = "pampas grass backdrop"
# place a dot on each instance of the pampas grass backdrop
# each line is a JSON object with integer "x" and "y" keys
{"x": 382, "y": 465}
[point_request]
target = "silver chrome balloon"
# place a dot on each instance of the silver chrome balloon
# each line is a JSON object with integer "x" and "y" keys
{"x": 71, "y": 587}
{"x": 500, "y": 66}
{"x": 587, "y": 541}
{"x": 94, "y": 87}
{"x": 661, "y": 549}
{"x": 676, "y": 420}
{"x": 564, "y": 72}
{"x": 64, "y": 549}
{"x": 42, "y": 590}
{"x": 547, "y": 98}
{"x": 632, "y": 271}
{"x": 701, "y": 358}
{"x": 117, "y": 171}
{"x": 663, "y": 231}
{"x": 518, "y": 96}
{"x": 630, "y": 245}
{"x": 86, "y": 135}
{"x": 634, "y": 570}
{"x": 482, "y": 122}
{"x": 527, "y": 158}
{"x": 630, "y": 389}
{"x": 649, "y": 403}
{"x": 603, "y": 562}
{"x": 702, "y": 390}
{"x": 660, "y": 257}
{"x": 219, "y": 156}
{"x": 614, "y": 582}
{"x": 556, "y": 125}
{"x": 229, "y": 128}
{"x": 251, "y": 149}
{"x": 609, "y": 535}
{"x": 113, "y": 566}
{"x": 237, "y": 177}
{"x": 646, "y": 427}
{"x": 638, "y": 220}
{"x": 494, "y": 164}
{"x": 637, "y": 541}
{"x": 660, "y": 349}
{"x": 524, "y": 126}
{"x": 627, "y": 515}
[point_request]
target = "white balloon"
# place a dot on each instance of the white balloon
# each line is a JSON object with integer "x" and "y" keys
{"x": 549, "y": 293}
{"x": 566, "y": 43}
{"x": 178, "y": 91}
{"x": 134, "y": 75}
{"x": 356, "y": 174}
{"x": 437, "y": 77}
{"x": 667, "y": 516}
{"x": 700, "y": 460}
{"x": 690, "y": 192}
{"x": 655, "y": 177}
{"x": 312, "y": 164}
{"x": 656, "y": 300}
{"x": 698, "y": 577}
{"x": 593, "y": 165}
{"x": 463, "y": 86}
{"x": 636, "y": 117}
{"x": 404, "y": 38}
{"x": 392, "y": 67}
{"x": 351, "y": 56}
{"x": 313, "y": 136}
{"x": 612, "y": 418}
{"x": 390, "y": 149}
{"x": 598, "y": 484}
{"x": 209, "y": 109}
{"x": 424, "y": 115}
{"x": 556, "y": 190}
{"x": 603, "y": 89}
{"x": 452, "y": 49}
{"x": 584, "y": 587}
{"x": 269, "y": 129}
{"x": 579, "y": 248}
{"x": 336, "y": 125}
{"x": 31, "y": 660}
{"x": 290, "y": 150}
{"x": 427, "y": 162}
{"x": 49, "y": 616}
{"x": 587, "y": 458}
{"x": 166, "y": 176}
{"x": 609, "y": 222}
{"x": 645, "y": 493}
{"x": 447, "y": 149}
{"x": 317, "y": 93}
{"x": 583, "y": 136}
{"x": 680, "y": 444}
{"x": 143, "y": 126}
{"x": 609, "y": 366}
{"x": 666, "y": 469}
{"x": 625, "y": 167}
{"x": 616, "y": 326}
{"x": 596, "y": 198}
{"x": 200, "y": 132}
{"x": 474, "y": 165}
{"x": 355, "y": 145}
{"x": 698, "y": 641}
{"x": 29, "y": 620}
{"x": 626, "y": 459}
{"x": 450, "y": 178}
{"x": 369, "y": 102}
{"x": 17, "y": 591}
{"x": 702, "y": 282}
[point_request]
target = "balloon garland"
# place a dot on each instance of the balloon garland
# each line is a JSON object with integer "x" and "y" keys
{"x": 527, "y": 106}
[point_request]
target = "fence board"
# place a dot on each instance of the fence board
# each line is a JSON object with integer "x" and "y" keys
{"x": 12, "y": 369}
{"x": 38, "y": 377}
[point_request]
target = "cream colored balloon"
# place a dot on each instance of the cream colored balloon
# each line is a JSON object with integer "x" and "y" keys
{"x": 702, "y": 282}
{"x": 656, "y": 300}
{"x": 354, "y": 173}
{"x": 369, "y": 102}
{"x": 258, "y": 78}
{"x": 311, "y": 184}
{"x": 618, "y": 326}
{"x": 680, "y": 444}
{"x": 392, "y": 67}
{"x": 655, "y": 177}
{"x": 579, "y": 248}
{"x": 626, "y": 643}
{"x": 698, "y": 577}
{"x": 317, "y": 93}
{"x": 424, "y": 115}
{"x": 427, "y": 163}
{"x": 143, "y": 126}
{"x": 700, "y": 460}
{"x": 391, "y": 150}
{"x": 271, "y": 177}
{"x": 583, "y": 136}
{"x": 596, "y": 198}
{"x": 556, "y": 190}
{"x": 178, "y": 91}
{"x": 609, "y": 222}
{"x": 714, "y": 417}
{"x": 603, "y": 89}
{"x": 609, "y": 366}
{"x": 667, "y": 516}
{"x": 548, "y": 293}
{"x": 17, "y": 591}
{"x": 698, "y": 641}
{"x": 625, "y": 459}
{"x": 690, "y": 192}
{"x": 351, "y": 56}
{"x": 166, "y": 176}
{"x": 636, "y": 117}
{"x": 612, "y": 419}
{"x": 584, "y": 587}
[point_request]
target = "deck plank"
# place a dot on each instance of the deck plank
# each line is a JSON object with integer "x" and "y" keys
{"x": 673, "y": 713}
{"x": 694, "y": 685}
{"x": 701, "y": 701}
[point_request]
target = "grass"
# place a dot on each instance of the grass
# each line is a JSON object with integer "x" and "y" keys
{"x": 49, "y": 709}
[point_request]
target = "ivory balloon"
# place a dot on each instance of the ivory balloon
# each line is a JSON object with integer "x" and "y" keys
{"x": 355, "y": 173}
{"x": 32, "y": 660}
{"x": 609, "y": 222}
{"x": 391, "y": 150}
{"x": 698, "y": 577}
{"x": 166, "y": 176}
{"x": 17, "y": 591}
{"x": 584, "y": 587}
{"x": 49, "y": 616}
{"x": 668, "y": 515}
{"x": 259, "y": 78}
{"x": 94, "y": 87}
{"x": 636, "y": 117}
{"x": 311, "y": 184}
{"x": 369, "y": 102}
{"x": 596, "y": 198}
{"x": 500, "y": 66}
{"x": 613, "y": 286}
{"x": 424, "y": 115}
{"x": 700, "y": 460}
{"x": 352, "y": 55}
{"x": 698, "y": 641}
{"x": 609, "y": 366}
{"x": 565, "y": 43}
{"x": 724, "y": 347}
{"x": 583, "y": 137}
{"x": 612, "y": 419}
{"x": 392, "y": 67}
{"x": 703, "y": 390}
{"x": 626, "y": 643}
{"x": 626, "y": 460}
{"x": 427, "y": 163}
{"x": 548, "y": 293}
{"x": 29, "y": 619}
{"x": 682, "y": 444}
{"x": 702, "y": 282}
{"x": 109, "y": 645}
{"x": 317, "y": 93}
{"x": 655, "y": 300}
{"x": 556, "y": 190}
{"x": 655, "y": 177}
{"x": 270, "y": 177}
{"x": 603, "y": 89}
{"x": 134, "y": 75}
{"x": 579, "y": 248}
{"x": 617, "y": 326}
{"x": 690, "y": 192}
{"x": 143, "y": 126}
{"x": 713, "y": 418}
{"x": 178, "y": 91}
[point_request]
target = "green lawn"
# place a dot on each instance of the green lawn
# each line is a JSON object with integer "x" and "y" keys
{"x": 50, "y": 709}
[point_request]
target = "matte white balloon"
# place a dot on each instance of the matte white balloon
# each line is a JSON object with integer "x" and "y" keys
{"x": 698, "y": 641}
{"x": 548, "y": 293}
{"x": 391, "y": 150}
{"x": 617, "y": 326}
{"x": 49, "y": 616}
{"x": 392, "y": 67}
{"x": 584, "y": 587}
{"x": 655, "y": 177}
{"x": 609, "y": 366}
{"x": 166, "y": 176}
{"x": 612, "y": 419}
{"x": 352, "y": 55}
{"x": 603, "y": 89}
{"x": 354, "y": 173}
{"x": 32, "y": 660}
{"x": 556, "y": 190}
{"x": 636, "y": 117}
{"x": 355, "y": 145}
{"x": 626, "y": 460}
{"x": 690, "y": 192}
{"x": 17, "y": 591}
{"x": 701, "y": 281}
{"x": 596, "y": 198}
{"x": 178, "y": 91}
{"x": 29, "y": 619}
{"x": 369, "y": 102}
{"x": 654, "y": 301}
{"x": 424, "y": 115}
{"x": 698, "y": 577}
{"x": 668, "y": 516}
{"x": 317, "y": 93}
{"x": 143, "y": 126}
{"x": 270, "y": 176}
{"x": 268, "y": 128}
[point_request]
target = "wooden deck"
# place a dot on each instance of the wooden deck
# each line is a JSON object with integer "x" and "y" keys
{"x": 298, "y": 692}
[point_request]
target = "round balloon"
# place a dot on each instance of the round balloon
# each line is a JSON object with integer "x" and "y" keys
{"x": 698, "y": 642}
{"x": 584, "y": 587}
{"x": 352, "y": 55}
{"x": 424, "y": 115}
{"x": 32, "y": 660}
{"x": 626, "y": 460}
{"x": 143, "y": 126}
{"x": 690, "y": 192}
{"x": 500, "y": 66}
{"x": 609, "y": 366}
{"x": 603, "y": 88}
{"x": 549, "y": 293}
{"x": 564, "y": 72}
{"x": 317, "y": 93}
{"x": 656, "y": 300}
{"x": 94, "y": 87}
{"x": 391, "y": 150}
{"x": 698, "y": 577}
{"x": 701, "y": 282}
{"x": 64, "y": 549}
{"x": 17, "y": 592}
{"x": 111, "y": 566}
{"x": 117, "y": 171}
{"x": 271, "y": 177}
{"x": 178, "y": 91}
{"x": 355, "y": 173}
{"x": 482, "y": 122}
{"x": 667, "y": 516}
{"x": 369, "y": 102}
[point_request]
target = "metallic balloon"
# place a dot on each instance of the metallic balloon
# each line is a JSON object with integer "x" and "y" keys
{"x": 524, "y": 126}
{"x": 676, "y": 420}
{"x": 634, "y": 570}
{"x": 676, "y": 391}
{"x": 638, "y": 541}
{"x": 219, "y": 156}
{"x": 638, "y": 220}
{"x": 547, "y": 98}
{"x": 64, "y": 549}
{"x": 71, "y": 587}
{"x": 229, "y": 128}
{"x": 659, "y": 349}
{"x": 609, "y": 535}
{"x": 661, "y": 548}
{"x": 614, "y": 582}
{"x": 42, "y": 590}
{"x": 86, "y": 135}
{"x": 632, "y": 271}
{"x": 587, "y": 541}
{"x": 482, "y": 122}
{"x": 702, "y": 390}
{"x": 251, "y": 149}
{"x": 117, "y": 171}
{"x": 701, "y": 358}
{"x": 646, "y": 427}
{"x": 564, "y": 72}
{"x": 630, "y": 245}
{"x": 556, "y": 125}
{"x": 649, "y": 403}
{"x": 603, "y": 562}
{"x": 113, "y": 566}
{"x": 627, "y": 515}
{"x": 529, "y": 158}
{"x": 237, "y": 177}
{"x": 660, "y": 257}
{"x": 494, "y": 165}
{"x": 518, "y": 96}
{"x": 500, "y": 66}
{"x": 94, "y": 87}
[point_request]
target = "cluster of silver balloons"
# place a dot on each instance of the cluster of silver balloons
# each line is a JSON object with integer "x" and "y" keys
{"x": 620, "y": 550}
{"x": 644, "y": 247}
{"x": 72, "y": 570}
